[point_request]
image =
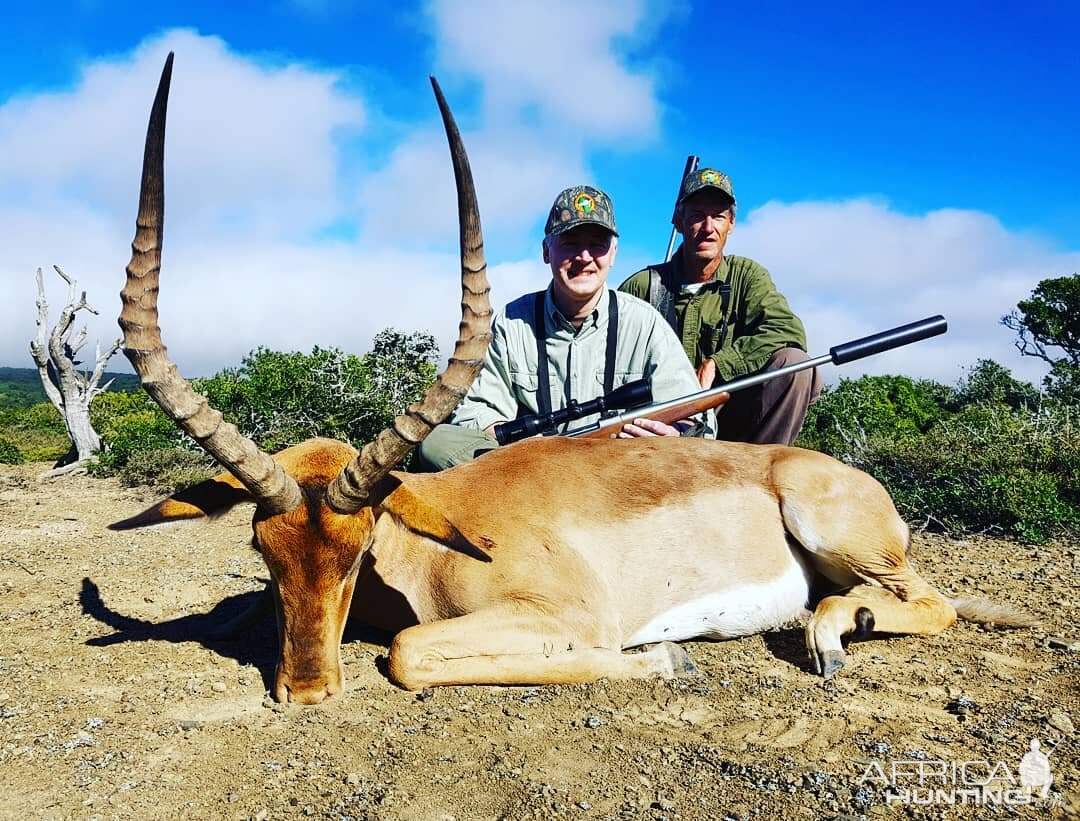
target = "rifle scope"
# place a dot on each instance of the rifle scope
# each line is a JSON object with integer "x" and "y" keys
{"x": 631, "y": 395}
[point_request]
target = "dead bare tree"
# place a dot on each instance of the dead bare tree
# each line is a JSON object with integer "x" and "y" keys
{"x": 69, "y": 390}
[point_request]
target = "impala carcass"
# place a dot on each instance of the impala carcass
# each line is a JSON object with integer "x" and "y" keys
{"x": 543, "y": 561}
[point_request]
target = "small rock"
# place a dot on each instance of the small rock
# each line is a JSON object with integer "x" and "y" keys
{"x": 190, "y": 725}
{"x": 426, "y": 694}
{"x": 218, "y": 686}
{"x": 352, "y": 779}
{"x": 962, "y": 705}
{"x": 585, "y": 805}
{"x": 261, "y": 815}
{"x": 1061, "y": 721}
{"x": 1059, "y": 643}
{"x": 592, "y": 722}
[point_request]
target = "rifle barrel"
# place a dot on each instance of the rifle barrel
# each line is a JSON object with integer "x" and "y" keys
{"x": 837, "y": 355}
{"x": 691, "y": 166}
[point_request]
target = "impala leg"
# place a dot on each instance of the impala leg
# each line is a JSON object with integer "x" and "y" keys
{"x": 849, "y": 526}
{"x": 516, "y": 644}
{"x": 913, "y": 607}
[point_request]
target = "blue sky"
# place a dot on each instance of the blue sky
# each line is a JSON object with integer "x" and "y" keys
{"x": 889, "y": 164}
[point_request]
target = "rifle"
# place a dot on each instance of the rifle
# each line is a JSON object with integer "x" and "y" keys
{"x": 691, "y": 166}
{"x": 676, "y": 409}
{"x": 631, "y": 395}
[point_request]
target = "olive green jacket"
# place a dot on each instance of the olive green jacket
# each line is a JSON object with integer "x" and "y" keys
{"x": 757, "y": 323}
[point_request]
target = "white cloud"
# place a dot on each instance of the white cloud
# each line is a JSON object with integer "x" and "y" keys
{"x": 557, "y": 60}
{"x": 252, "y": 168}
{"x": 554, "y": 85}
{"x": 243, "y": 138}
{"x": 411, "y": 199}
{"x": 856, "y": 267}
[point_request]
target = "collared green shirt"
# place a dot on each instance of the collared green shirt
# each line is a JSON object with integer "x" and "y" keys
{"x": 646, "y": 348}
{"x": 758, "y": 321}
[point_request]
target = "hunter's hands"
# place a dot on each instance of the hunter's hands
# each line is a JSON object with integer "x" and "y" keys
{"x": 706, "y": 374}
{"x": 647, "y": 427}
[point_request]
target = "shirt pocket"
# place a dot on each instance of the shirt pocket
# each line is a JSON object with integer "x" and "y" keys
{"x": 524, "y": 385}
{"x": 710, "y": 337}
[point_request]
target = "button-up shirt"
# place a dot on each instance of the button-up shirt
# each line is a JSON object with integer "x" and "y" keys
{"x": 507, "y": 385}
{"x": 758, "y": 321}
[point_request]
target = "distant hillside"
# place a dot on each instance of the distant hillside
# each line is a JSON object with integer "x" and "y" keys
{"x": 21, "y": 387}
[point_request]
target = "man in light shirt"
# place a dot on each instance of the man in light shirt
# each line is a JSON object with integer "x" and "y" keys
{"x": 574, "y": 341}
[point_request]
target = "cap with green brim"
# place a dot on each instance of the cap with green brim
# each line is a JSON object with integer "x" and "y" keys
{"x": 580, "y": 205}
{"x": 704, "y": 178}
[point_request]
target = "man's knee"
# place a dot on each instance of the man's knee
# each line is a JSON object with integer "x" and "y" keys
{"x": 805, "y": 382}
{"x": 449, "y": 445}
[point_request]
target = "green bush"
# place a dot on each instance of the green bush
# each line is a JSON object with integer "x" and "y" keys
{"x": 987, "y": 468}
{"x": 277, "y": 399}
{"x": 9, "y": 453}
{"x": 170, "y": 468}
{"x": 136, "y": 438}
{"x": 860, "y": 412}
{"x": 987, "y": 381}
{"x": 281, "y": 399}
{"x": 37, "y": 431}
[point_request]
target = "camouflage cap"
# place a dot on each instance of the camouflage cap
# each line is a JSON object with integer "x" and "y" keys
{"x": 705, "y": 178}
{"x": 580, "y": 205}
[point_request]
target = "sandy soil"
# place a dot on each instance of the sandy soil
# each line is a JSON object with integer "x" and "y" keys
{"x": 116, "y": 703}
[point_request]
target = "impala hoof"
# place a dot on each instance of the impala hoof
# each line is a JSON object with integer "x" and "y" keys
{"x": 677, "y": 662}
{"x": 831, "y": 662}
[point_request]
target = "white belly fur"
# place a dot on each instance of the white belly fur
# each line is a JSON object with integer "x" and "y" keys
{"x": 741, "y": 611}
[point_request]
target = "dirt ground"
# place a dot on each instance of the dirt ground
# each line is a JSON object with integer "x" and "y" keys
{"x": 116, "y": 703}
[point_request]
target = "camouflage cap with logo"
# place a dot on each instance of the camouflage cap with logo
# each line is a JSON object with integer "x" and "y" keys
{"x": 580, "y": 205}
{"x": 705, "y": 178}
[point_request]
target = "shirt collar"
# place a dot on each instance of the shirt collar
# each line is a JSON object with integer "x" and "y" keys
{"x": 596, "y": 318}
{"x": 719, "y": 275}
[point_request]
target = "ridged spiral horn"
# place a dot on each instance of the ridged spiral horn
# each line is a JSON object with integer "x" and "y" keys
{"x": 349, "y": 491}
{"x": 274, "y": 490}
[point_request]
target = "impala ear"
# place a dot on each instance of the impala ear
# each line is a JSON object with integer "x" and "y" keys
{"x": 207, "y": 498}
{"x": 425, "y": 520}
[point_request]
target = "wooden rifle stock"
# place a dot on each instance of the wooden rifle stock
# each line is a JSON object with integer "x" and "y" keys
{"x": 675, "y": 410}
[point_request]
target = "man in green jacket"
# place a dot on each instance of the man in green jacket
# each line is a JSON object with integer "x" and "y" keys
{"x": 730, "y": 318}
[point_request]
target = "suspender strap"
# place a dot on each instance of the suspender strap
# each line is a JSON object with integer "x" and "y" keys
{"x": 543, "y": 377}
{"x": 612, "y": 341}
{"x": 543, "y": 380}
{"x": 725, "y": 300}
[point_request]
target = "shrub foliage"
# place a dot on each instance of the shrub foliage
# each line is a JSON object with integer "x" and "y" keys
{"x": 990, "y": 454}
{"x": 985, "y": 456}
{"x": 278, "y": 399}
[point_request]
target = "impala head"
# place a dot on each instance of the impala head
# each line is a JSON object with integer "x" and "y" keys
{"x": 313, "y": 519}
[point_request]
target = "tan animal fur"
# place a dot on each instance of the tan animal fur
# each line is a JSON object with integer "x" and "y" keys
{"x": 543, "y": 561}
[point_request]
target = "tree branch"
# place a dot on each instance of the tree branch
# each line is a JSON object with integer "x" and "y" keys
{"x": 38, "y": 347}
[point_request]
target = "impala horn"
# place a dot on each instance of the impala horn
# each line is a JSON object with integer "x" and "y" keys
{"x": 274, "y": 490}
{"x": 350, "y": 490}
